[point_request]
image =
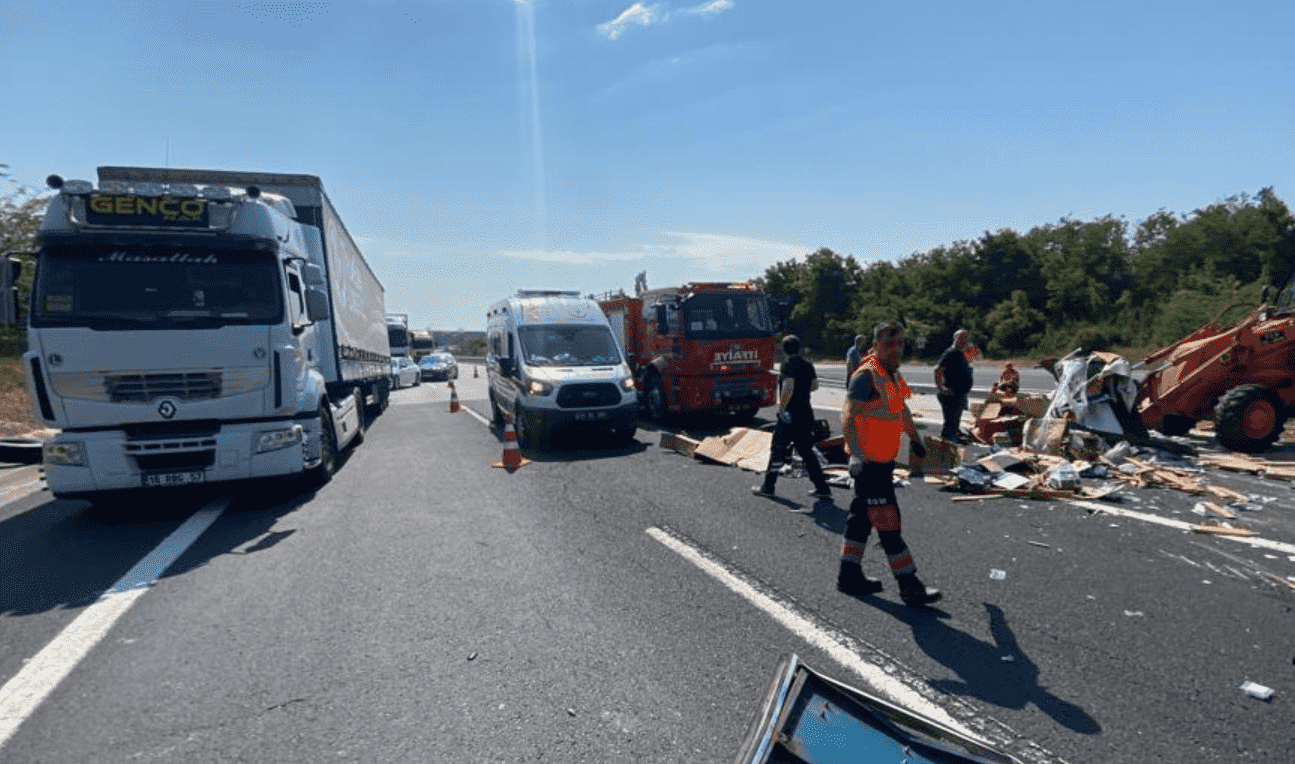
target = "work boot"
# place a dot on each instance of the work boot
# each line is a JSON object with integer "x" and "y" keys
{"x": 851, "y": 580}
{"x": 914, "y": 593}
{"x": 760, "y": 490}
{"x": 822, "y": 492}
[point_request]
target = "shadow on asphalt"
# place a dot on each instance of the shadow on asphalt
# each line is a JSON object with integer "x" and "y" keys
{"x": 66, "y": 553}
{"x": 999, "y": 673}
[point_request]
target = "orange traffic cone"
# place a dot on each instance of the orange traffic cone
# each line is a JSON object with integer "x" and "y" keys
{"x": 512, "y": 458}
{"x": 454, "y": 399}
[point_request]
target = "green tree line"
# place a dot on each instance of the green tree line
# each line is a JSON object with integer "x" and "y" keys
{"x": 1096, "y": 284}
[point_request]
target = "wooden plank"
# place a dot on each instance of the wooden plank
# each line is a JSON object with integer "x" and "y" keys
{"x": 1223, "y": 492}
{"x": 1219, "y": 510}
{"x": 1222, "y": 530}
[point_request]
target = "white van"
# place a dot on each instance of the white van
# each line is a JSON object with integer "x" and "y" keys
{"x": 552, "y": 362}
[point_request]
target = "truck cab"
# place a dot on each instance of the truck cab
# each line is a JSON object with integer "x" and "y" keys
{"x": 553, "y": 364}
{"x": 183, "y": 333}
{"x": 700, "y": 348}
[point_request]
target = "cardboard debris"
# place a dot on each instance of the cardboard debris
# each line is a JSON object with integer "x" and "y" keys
{"x": 742, "y": 447}
{"x": 941, "y": 456}
{"x": 679, "y": 443}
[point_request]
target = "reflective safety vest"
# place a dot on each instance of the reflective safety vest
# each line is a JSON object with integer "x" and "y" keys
{"x": 881, "y": 422}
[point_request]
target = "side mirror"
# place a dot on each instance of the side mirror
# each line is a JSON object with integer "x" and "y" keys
{"x": 632, "y": 359}
{"x": 784, "y": 316}
{"x": 662, "y": 321}
{"x": 316, "y": 305}
{"x": 507, "y": 366}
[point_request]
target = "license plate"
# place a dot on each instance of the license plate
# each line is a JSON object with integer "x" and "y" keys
{"x": 590, "y": 416}
{"x": 165, "y": 479}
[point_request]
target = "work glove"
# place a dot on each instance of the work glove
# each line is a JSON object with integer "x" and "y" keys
{"x": 919, "y": 450}
{"x": 856, "y": 466}
{"x": 784, "y": 417}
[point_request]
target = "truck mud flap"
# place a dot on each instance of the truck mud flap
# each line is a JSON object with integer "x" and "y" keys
{"x": 807, "y": 717}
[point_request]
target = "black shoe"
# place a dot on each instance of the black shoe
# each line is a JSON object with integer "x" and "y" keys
{"x": 920, "y": 595}
{"x": 759, "y": 490}
{"x": 821, "y": 493}
{"x": 851, "y": 580}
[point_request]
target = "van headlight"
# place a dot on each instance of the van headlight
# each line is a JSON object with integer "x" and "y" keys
{"x": 71, "y": 453}
{"x": 539, "y": 387}
{"x": 627, "y": 384}
{"x": 273, "y": 440}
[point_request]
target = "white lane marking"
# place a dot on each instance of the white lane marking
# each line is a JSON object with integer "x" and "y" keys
{"x": 475, "y": 415}
{"x": 1278, "y": 546}
{"x": 21, "y": 695}
{"x": 807, "y": 628}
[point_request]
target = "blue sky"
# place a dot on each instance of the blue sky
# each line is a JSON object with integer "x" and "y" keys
{"x": 474, "y": 147}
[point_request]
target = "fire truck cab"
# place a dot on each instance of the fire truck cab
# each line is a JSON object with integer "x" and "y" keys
{"x": 701, "y": 348}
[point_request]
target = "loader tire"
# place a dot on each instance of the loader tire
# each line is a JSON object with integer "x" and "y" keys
{"x": 1249, "y": 419}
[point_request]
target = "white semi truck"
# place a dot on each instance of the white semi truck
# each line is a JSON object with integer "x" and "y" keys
{"x": 199, "y": 326}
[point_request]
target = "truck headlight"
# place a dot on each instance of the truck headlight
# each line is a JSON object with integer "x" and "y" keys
{"x": 70, "y": 453}
{"x": 277, "y": 439}
{"x": 536, "y": 387}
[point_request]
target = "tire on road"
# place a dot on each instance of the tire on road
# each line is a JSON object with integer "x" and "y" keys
{"x": 1249, "y": 419}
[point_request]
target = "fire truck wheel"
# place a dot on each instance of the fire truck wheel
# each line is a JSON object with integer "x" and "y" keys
{"x": 656, "y": 401}
{"x": 1249, "y": 419}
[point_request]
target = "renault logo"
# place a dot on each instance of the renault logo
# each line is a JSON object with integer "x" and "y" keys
{"x": 167, "y": 409}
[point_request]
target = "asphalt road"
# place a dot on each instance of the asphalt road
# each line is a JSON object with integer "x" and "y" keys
{"x": 425, "y": 606}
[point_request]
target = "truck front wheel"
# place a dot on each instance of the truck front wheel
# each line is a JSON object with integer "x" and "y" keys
{"x": 1249, "y": 419}
{"x": 327, "y": 449}
{"x": 656, "y": 400}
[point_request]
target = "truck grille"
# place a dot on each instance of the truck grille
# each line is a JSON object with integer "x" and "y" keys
{"x": 188, "y": 453}
{"x": 587, "y": 395}
{"x": 147, "y": 385}
{"x": 142, "y": 388}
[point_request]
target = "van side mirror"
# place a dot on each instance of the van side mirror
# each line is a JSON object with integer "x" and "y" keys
{"x": 507, "y": 366}
{"x": 316, "y": 305}
{"x": 662, "y": 321}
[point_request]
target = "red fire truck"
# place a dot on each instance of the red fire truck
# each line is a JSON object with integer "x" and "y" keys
{"x": 701, "y": 348}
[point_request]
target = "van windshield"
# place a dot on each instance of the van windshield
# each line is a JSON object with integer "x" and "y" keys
{"x": 580, "y": 345}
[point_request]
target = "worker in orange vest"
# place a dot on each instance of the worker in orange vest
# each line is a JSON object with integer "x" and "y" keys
{"x": 874, "y": 416}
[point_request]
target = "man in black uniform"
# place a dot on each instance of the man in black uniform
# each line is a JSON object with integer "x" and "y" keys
{"x": 795, "y": 426}
{"x": 953, "y": 384}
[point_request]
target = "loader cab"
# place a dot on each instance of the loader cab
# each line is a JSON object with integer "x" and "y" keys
{"x": 554, "y": 366}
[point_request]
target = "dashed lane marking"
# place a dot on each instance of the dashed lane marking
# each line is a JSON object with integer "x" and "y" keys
{"x": 1254, "y": 541}
{"x": 22, "y": 694}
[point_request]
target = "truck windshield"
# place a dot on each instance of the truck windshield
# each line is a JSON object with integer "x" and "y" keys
{"x": 580, "y": 345}
{"x": 142, "y": 286}
{"x": 725, "y": 317}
